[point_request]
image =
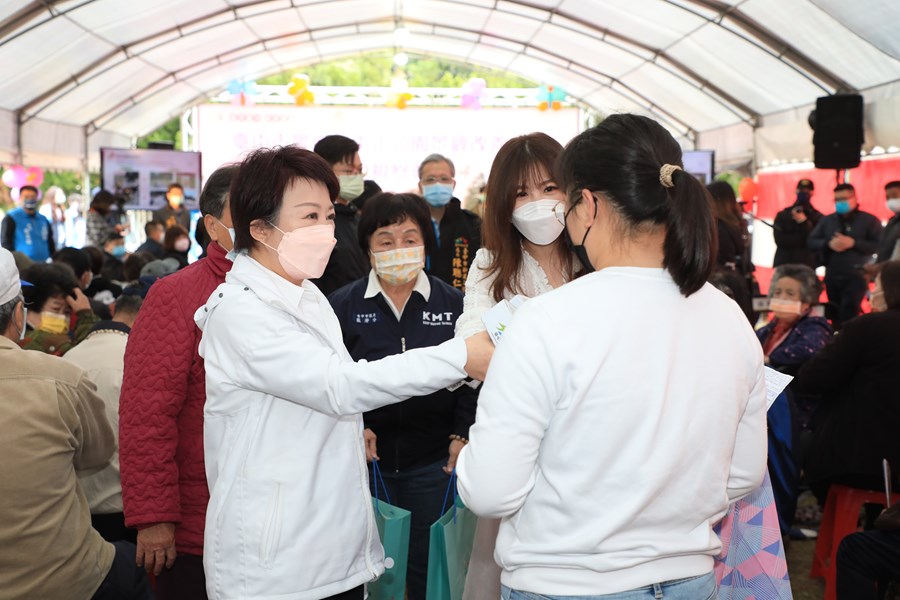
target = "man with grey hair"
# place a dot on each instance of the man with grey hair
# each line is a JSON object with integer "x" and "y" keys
{"x": 457, "y": 231}
{"x": 164, "y": 490}
{"x": 52, "y": 424}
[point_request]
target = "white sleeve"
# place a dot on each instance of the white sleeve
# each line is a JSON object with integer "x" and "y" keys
{"x": 478, "y": 299}
{"x": 748, "y": 463}
{"x": 284, "y": 360}
{"x": 497, "y": 468}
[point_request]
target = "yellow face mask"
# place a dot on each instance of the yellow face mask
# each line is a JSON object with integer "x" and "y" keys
{"x": 54, "y": 323}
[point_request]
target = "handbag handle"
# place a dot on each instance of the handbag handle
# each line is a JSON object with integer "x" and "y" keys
{"x": 450, "y": 485}
{"x": 376, "y": 479}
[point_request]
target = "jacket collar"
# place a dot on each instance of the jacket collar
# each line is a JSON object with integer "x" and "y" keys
{"x": 8, "y": 344}
{"x": 217, "y": 260}
{"x": 110, "y": 326}
{"x": 269, "y": 287}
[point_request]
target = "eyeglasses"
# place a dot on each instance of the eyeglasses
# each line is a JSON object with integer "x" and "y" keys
{"x": 433, "y": 180}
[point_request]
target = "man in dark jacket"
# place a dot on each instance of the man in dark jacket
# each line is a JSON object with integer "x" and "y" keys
{"x": 458, "y": 231}
{"x": 847, "y": 239}
{"x": 793, "y": 226}
{"x": 155, "y": 232}
{"x": 174, "y": 213}
{"x": 346, "y": 263}
{"x": 891, "y": 234}
{"x": 164, "y": 489}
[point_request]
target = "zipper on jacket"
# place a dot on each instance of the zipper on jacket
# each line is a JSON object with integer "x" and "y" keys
{"x": 402, "y": 345}
{"x": 272, "y": 529}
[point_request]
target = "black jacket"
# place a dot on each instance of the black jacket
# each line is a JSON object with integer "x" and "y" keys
{"x": 861, "y": 226}
{"x": 460, "y": 239}
{"x": 347, "y": 262}
{"x": 154, "y": 248}
{"x": 857, "y": 419}
{"x": 416, "y": 432}
{"x": 889, "y": 239}
{"x": 791, "y": 237}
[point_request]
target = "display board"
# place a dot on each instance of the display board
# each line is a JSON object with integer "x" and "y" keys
{"x": 701, "y": 164}
{"x": 141, "y": 177}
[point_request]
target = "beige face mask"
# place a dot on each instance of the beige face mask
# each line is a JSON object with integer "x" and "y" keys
{"x": 400, "y": 266}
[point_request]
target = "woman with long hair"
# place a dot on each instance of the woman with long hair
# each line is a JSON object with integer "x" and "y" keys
{"x": 523, "y": 251}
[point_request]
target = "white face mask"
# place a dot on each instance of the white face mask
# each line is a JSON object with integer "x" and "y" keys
{"x": 400, "y": 266}
{"x": 538, "y": 222}
{"x": 24, "y": 323}
{"x": 182, "y": 244}
{"x": 785, "y": 307}
{"x": 352, "y": 187}
{"x": 893, "y": 205}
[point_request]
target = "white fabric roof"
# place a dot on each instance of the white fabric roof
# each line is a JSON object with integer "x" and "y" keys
{"x": 122, "y": 67}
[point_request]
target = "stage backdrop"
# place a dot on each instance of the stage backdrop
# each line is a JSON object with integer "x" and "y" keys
{"x": 392, "y": 142}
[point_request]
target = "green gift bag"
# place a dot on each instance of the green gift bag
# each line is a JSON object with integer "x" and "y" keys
{"x": 449, "y": 549}
{"x": 393, "y": 529}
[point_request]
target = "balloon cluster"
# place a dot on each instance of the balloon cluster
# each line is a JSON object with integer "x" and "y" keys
{"x": 398, "y": 99}
{"x": 550, "y": 96}
{"x": 16, "y": 176}
{"x": 472, "y": 91}
{"x": 299, "y": 89}
{"x": 242, "y": 92}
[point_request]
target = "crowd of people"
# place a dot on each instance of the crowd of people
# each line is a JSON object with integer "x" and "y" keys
{"x": 212, "y": 427}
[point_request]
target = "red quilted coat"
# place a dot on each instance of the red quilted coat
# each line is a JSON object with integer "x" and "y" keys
{"x": 161, "y": 406}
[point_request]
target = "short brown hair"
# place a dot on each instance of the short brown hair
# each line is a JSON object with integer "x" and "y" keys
{"x": 518, "y": 162}
{"x": 257, "y": 189}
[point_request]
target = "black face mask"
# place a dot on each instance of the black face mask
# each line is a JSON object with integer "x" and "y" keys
{"x": 579, "y": 250}
{"x": 802, "y": 198}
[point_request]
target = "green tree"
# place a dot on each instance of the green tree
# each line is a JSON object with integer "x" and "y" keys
{"x": 169, "y": 132}
{"x": 71, "y": 182}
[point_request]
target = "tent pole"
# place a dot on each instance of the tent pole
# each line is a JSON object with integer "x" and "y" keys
{"x": 86, "y": 173}
{"x": 20, "y": 154}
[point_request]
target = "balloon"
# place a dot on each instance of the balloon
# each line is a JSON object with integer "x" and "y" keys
{"x": 472, "y": 91}
{"x": 242, "y": 92}
{"x": 399, "y": 100}
{"x": 747, "y": 189}
{"x": 550, "y": 96}
{"x": 34, "y": 176}
{"x": 299, "y": 89}
{"x": 16, "y": 176}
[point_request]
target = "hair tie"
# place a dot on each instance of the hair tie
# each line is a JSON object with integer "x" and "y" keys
{"x": 665, "y": 175}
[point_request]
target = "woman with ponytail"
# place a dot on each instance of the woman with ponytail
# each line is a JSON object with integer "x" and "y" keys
{"x": 624, "y": 411}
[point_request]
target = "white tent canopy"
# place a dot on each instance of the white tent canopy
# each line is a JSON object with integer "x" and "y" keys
{"x": 733, "y": 75}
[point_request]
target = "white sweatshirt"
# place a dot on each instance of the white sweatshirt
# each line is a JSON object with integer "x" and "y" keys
{"x": 618, "y": 421}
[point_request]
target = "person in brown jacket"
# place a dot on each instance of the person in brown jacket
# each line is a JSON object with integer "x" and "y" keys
{"x": 52, "y": 424}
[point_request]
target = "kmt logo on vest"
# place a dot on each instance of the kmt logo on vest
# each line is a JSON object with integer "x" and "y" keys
{"x": 437, "y": 318}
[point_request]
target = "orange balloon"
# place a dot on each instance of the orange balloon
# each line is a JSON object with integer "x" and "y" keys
{"x": 747, "y": 189}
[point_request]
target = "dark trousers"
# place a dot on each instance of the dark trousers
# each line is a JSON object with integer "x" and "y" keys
{"x": 845, "y": 291}
{"x": 112, "y": 527}
{"x": 863, "y": 560}
{"x": 125, "y": 580}
{"x": 184, "y": 581}
{"x": 354, "y": 594}
{"x": 421, "y": 492}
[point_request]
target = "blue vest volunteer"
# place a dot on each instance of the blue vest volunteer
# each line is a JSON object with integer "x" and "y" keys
{"x": 32, "y": 235}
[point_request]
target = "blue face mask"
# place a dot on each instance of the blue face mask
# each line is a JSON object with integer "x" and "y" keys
{"x": 437, "y": 194}
{"x": 119, "y": 252}
{"x": 842, "y": 207}
{"x": 30, "y": 204}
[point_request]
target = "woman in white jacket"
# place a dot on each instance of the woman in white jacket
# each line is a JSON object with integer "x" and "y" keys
{"x": 624, "y": 411}
{"x": 290, "y": 514}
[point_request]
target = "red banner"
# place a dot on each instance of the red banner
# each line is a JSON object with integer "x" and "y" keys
{"x": 777, "y": 189}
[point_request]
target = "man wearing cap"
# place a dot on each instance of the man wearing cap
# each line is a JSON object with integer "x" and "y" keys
{"x": 26, "y": 230}
{"x": 164, "y": 489}
{"x": 793, "y": 226}
{"x": 52, "y": 424}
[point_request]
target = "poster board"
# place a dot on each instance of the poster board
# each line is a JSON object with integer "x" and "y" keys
{"x": 142, "y": 177}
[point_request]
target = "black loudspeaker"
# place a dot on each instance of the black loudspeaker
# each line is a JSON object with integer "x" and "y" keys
{"x": 838, "y": 136}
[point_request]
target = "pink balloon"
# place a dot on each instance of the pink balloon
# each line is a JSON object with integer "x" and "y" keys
{"x": 16, "y": 176}
{"x": 470, "y": 101}
{"x": 34, "y": 176}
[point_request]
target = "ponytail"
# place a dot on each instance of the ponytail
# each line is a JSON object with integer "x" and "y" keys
{"x": 689, "y": 247}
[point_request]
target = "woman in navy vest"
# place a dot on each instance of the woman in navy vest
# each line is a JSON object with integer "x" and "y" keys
{"x": 396, "y": 308}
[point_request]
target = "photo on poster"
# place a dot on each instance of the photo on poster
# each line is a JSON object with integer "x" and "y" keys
{"x": 126, "y": 186}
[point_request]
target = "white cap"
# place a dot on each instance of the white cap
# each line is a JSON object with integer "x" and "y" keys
{"x": 9, "y": 277}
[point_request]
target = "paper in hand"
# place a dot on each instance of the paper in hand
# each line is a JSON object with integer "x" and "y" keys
{"x": 776, "y": 382}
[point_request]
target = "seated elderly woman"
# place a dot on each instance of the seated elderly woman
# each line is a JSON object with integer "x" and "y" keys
{"x": 52, "y": 296}
{"x": 791, "y": 338}
{"x": 794, "y": 335}
{"x": 290, "y": 513}
{"x": 855, "y": 379}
